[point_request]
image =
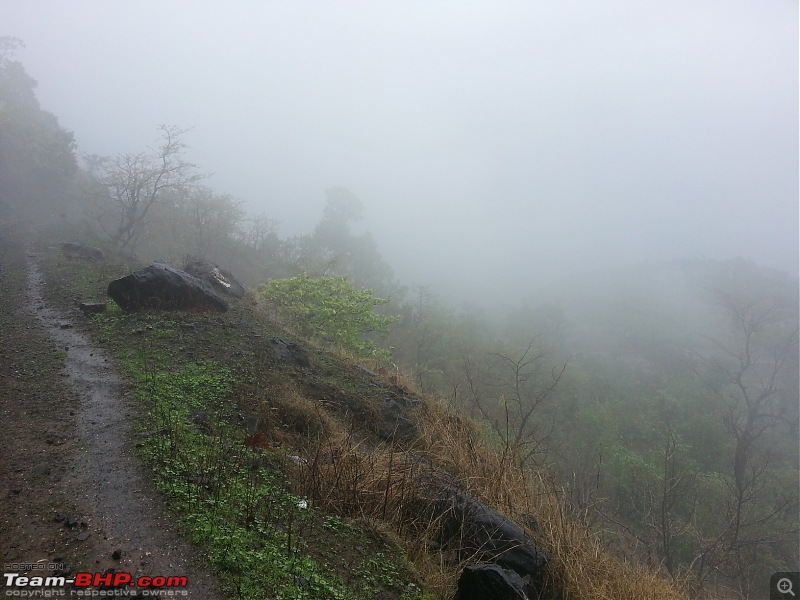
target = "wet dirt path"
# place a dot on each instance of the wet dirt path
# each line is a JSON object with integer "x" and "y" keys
{"x": 107, "y": 477}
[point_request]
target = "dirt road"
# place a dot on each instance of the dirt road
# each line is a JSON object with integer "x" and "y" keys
{"x": 73, "y": 491}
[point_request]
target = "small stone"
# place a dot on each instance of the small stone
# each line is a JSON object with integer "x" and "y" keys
{"x": 117, "y": 554}
{"x": 82, "y": 537}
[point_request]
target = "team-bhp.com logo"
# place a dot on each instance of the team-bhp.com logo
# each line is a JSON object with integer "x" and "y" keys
{"x": 93, "y": 585}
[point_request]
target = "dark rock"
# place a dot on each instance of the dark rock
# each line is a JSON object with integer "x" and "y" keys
{"x": 92, "y": 308}
{"x": 490, "y": 582}
{"x": 116, "y": 554}
{"x": 291, "y": 353}
{"x": 220, "y": 279}
{"x": 77, "y": 250}
{"x": 480, "y": 532}
{"x": 393, "y": 423}
{"x": 164, "y": 287}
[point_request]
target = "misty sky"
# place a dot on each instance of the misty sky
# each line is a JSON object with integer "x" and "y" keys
{"x": 493, "y": 143}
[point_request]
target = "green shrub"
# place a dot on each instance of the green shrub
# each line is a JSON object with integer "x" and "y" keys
{"x": 331, "y": 310}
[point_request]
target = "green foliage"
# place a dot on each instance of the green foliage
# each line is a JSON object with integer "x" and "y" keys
{"x": 251, "y": 525}
{"x": 235, "y": 500}
{"x": 331, "y": 310}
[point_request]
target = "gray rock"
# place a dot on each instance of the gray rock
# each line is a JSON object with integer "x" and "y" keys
{"x": 164, "y": 287}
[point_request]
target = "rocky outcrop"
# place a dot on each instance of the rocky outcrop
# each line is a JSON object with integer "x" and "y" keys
{"x": 220, "y": 279}
{"x": 161, "y": 286}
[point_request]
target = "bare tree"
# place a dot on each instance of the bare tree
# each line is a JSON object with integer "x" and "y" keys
{"x": 756, "y": 393}
{"x": 214, "y": 220}
{"x": 524, "y": 385}
{"x": 135, "y": 183}
{"x": 262, "y": 234}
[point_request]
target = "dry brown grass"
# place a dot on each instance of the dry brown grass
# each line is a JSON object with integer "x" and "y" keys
{"x": 578, "y": 566}
{"x": 348, "y": 474}
{"x": 289, "y": 416}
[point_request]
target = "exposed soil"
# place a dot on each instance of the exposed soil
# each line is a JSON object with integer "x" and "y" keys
{"x": 73, "y": 491}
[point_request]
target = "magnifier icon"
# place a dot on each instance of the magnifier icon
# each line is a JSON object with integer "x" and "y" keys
{"x": 784, "y": 586}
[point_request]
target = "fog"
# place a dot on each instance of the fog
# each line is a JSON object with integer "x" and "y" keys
{"x": 495, "y": 145}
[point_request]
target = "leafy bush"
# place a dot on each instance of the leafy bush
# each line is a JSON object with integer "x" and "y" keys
{"x": 330, "y": 309}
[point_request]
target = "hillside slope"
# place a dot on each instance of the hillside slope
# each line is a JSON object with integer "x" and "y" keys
{"x": 304, "y": 474}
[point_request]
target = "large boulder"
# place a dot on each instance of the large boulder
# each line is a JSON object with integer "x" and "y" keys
{"x": 220, "y": 279}
{"x": 164, "y": 287}
{"x": 490, "y": 582}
